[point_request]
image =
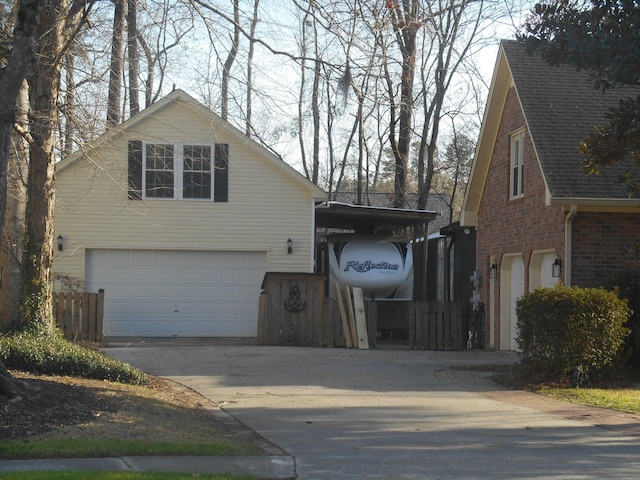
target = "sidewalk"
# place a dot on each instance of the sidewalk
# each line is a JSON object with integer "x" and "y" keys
{"x": 621, "y": 422}
{"x": 262, "y": 467}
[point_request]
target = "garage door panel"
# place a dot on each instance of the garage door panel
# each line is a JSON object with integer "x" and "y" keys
{"x": 177, "y": 293}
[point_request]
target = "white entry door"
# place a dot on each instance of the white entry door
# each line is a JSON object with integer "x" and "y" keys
{"x": 161, "y": 293}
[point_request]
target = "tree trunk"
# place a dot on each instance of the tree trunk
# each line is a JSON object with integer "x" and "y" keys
{"x": 12, "y": 77}
{"x": 405, "y": 26}
{"x": 69, "y": 109}
{"x": 134, "y": 60}
{"x": 252, "y": 33}
{"x": 13, "y": 231}
{"x": 231, "y": 57}
{"x": 56, "y": 25}
{"x": 117, "y": 63}
{"x": 315, "y": 109}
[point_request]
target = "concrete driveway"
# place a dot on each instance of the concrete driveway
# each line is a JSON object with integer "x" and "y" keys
{"x": 392, "y": 413}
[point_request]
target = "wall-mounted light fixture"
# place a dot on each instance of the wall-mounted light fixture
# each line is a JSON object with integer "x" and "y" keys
{"x": 556, "y": 268}
{"x": 493, "y": 271}
{"x": 289, "y": 246}
{"x": 60, "y": 244}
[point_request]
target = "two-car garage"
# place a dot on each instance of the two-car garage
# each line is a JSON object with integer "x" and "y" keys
{"x": 185, "y": 293}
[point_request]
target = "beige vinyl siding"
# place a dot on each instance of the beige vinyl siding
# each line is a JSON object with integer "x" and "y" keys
{"x": 266, "y": 205}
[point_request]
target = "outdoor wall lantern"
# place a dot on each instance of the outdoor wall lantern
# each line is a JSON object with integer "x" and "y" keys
{"x": 556, "y": 269}
{"x": 289, "y": 246}
{"x": 493, "y": 271}
{"x": 60, "y": 244}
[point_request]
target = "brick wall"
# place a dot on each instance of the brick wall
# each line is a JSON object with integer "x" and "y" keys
{"x": 602, "y": 242}
{"x": 514, "y": 226}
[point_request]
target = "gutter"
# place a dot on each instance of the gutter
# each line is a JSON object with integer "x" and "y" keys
{"x": 568, "y": 235}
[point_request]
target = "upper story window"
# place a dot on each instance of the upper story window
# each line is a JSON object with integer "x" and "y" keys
{"x": 178, "y": 171}
{"x": 517, "y": 164}
{"x": 159, "y": 171}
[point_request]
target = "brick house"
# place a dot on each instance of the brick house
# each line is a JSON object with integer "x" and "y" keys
{"x": 539, "y": 218}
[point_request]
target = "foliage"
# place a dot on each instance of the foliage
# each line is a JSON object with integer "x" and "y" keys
{"x": 626, "y": 283}
{"x": 53, "y": 355}
{"x": 567, "y": 329}
{"x": 603, "y": 40}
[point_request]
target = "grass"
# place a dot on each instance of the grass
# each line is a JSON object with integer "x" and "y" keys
{"x": 620, "y": 399}
{"x": 116, "y": 476}
{"x": 94, "y": 448}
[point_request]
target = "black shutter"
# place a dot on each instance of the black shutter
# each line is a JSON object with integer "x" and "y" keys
{"x": 135, "y": 170}
{"x": 221, "y": 173}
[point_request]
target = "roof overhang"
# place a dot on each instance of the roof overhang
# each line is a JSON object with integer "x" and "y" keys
{"x": 501, "y": 81}
{"x": 629, "y": 205}
{"x": 367, "y": 219}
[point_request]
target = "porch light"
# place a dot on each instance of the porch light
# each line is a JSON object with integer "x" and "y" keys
{"x": 493, "y": 271}
{"x": 556, "y": 268}
{"x": 289, "y": 246}
{"x": 60, "y": 244}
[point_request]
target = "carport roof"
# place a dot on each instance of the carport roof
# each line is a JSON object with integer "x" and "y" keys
{"x": 364, "y": 218}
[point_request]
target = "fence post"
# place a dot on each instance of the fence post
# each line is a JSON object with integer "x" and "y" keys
{"x": 100, "y": 315}
{"x": 84, "y": 310}
{"x": 93, "y": 308}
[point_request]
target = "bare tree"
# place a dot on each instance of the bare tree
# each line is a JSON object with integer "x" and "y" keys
{"x": 454, "y": 30}
{"x": 231, "y": 57}
{"x": 452, "y": 175}
{"x": 406, "y": 21}
{"x": 57, "y": 24}
{"x": 11, "y": 246}
{"x": 252, "y": 34}
{"x": 133, "y": 57}
{"x": 43, "y": 31}
{"x": 114, "y": 103}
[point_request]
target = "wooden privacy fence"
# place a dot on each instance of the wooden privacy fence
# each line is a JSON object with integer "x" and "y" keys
{"x": 436, "y": 326}
{"x": 291, "y": 309}
{"x": 80, "y": 315}
{"x": 294, "y": 311}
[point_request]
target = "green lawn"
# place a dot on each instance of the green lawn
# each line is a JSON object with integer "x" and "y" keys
{"x": 87, "y": 448}
{"x": 621, "y": 399}
{"x": 116, "y": 476}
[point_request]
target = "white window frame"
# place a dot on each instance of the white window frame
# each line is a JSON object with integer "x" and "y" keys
{"x": 178, "y": 170}
{"x": 516, "y": 170}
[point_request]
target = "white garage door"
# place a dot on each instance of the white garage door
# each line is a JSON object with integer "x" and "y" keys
{"x": 177, "y": 293}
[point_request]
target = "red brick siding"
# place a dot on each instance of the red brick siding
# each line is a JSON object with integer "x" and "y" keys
{"x": 512, "y": 226}
{"x": 601, "y": 243}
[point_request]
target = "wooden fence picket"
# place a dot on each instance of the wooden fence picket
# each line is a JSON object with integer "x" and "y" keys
{"x": 80, "y": 315}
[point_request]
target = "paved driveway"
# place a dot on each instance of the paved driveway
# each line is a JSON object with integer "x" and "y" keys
{"x": 389, "y": 413}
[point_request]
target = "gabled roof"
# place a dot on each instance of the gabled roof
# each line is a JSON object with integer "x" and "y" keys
{"x": 560, "y": 107}
{"x": 179, "y": 96}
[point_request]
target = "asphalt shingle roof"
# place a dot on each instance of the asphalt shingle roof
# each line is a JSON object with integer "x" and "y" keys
{"x": 561, "y": 106}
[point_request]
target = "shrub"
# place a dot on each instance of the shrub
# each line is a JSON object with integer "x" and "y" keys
{"x": 570, "y": 329}
{"x": 53, "y": 355}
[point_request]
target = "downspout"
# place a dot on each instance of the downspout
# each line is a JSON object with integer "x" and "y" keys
{"x": 568, "y": 234}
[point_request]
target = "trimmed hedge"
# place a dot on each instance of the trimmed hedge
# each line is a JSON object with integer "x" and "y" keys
{"x": 568, "y": 329}
{"x": 53, "y": 355}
